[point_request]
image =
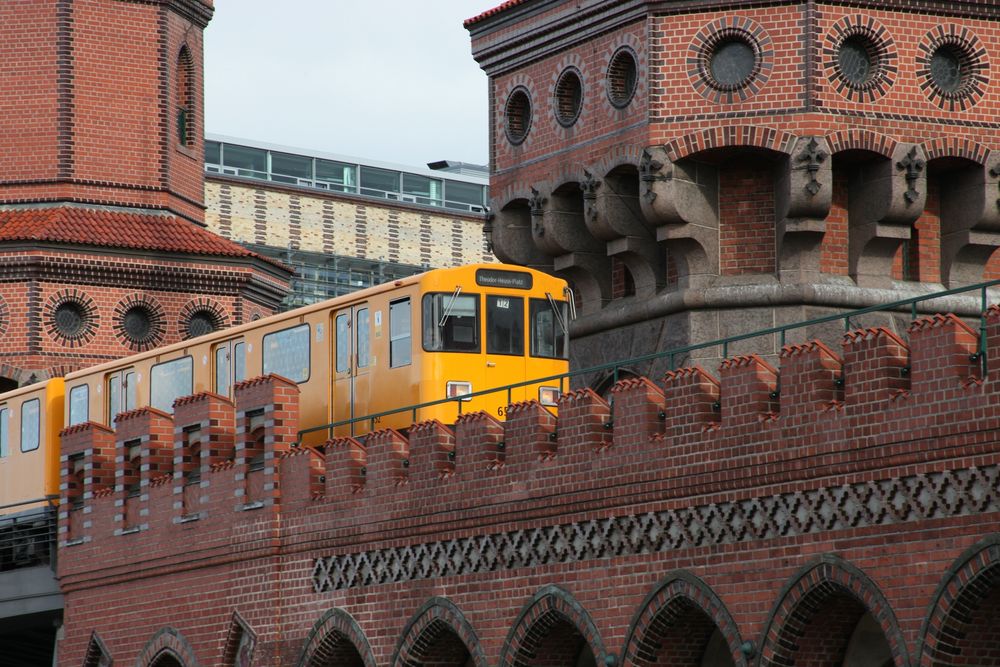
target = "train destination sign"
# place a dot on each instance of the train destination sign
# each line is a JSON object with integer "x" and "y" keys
{"x": 508, "y": 279}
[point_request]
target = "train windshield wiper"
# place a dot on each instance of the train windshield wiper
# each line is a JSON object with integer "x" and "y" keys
{"x": 451, "y": 304}
{"x": 558, "y": 312}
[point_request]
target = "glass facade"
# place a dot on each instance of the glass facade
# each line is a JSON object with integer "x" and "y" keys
{"x": 307, "y": 171}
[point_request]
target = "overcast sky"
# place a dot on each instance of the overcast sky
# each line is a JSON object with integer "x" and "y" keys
{"x": 390, "y": 80}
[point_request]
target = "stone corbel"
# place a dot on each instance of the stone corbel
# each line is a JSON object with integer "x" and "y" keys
{"x": 803, "y": 194}
{"x": 680, "y": 199}
{"x": 511, "y": 238}
{"x": 885, "y": 200}
{"x": 645, "y": 261}
{"x": 970, "y": 222}
{"x": 590, "y": 274}
{"x": 557, "y": 222}
{"x": 611, "y": 213}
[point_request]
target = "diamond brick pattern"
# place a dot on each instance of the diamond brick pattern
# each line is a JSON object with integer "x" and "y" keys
{"x": 875, "y": 503}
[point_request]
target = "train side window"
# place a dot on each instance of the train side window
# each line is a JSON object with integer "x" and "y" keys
{"x": 239, "y": 362}
{"x": 451, "y": 322}
{"x": 504, "y": 325}
{"x": 223, "y": 370}
{"x": 343, "y": 344}
{"x": 4, "y": 432}
{"x": 548, "y": 329}
{"x": 79, "y": 404}
{"x": 169, "y": 381}
{"x": 30, "y": 422}
{"x": 361, "y": 331}
{"x": 121, "y": 394}
{"x": 399, "y": 333}
{"x": 286, "y": 353}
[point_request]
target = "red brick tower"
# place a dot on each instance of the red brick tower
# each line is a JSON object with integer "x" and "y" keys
{"x": 704, "y": 169}
{"x": 102, "y": 245}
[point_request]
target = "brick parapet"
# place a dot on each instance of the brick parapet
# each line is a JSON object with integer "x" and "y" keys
{"x": 393, "y": 480}
{"x": 803, "y": 468}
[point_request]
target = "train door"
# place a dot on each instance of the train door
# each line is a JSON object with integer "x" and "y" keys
{"x": 351, "y": 365}
{"x": 230, "y": 366}
{"x": 505, "y": 360}
{"x": 121, "y": 393}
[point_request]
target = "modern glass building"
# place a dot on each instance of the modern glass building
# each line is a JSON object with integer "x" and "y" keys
{"x": 343, "y": 223}
{"x": 449, "y": 185}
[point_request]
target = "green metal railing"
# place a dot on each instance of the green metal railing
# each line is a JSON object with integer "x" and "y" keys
{"x": 673, "y": 354}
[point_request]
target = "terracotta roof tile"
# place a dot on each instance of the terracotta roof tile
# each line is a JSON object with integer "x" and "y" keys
{"x": 492, "y": 12}
{"x": 116, "y": 229}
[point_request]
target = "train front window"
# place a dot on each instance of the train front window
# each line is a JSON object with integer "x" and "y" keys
{"x": 451, "y": 322}
{"x": 30, "y": 423}
{"x": 4, "y": 430}
{"x": 79, "y": 404}
{"x": 549, "y": 337}
{"x": 169, "y": 381}
{"x": 504, "y": 325}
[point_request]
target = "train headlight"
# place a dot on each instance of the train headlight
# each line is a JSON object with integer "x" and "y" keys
{"x": 457, "y": 389}
{"x": 549, "y": 395}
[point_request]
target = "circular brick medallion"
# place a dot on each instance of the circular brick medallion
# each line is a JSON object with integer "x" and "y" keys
{"x": 568, "y": 97}
{"x": 71, "y": 318}
{"x": 952, "y": 67}
{"x": 730, "y": 60}
{"x": 139, "y": 323}
{"x": 860, "y": 58}
{"x": 622, "y": 77}
{"x": 517, "y": 115}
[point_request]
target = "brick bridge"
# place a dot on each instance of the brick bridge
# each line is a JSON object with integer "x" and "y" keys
{"x": 847, "y": 517}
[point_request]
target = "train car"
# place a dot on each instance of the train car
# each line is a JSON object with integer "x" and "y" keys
{"x": 444, "y": 333}
{"x": 30, "y": 421}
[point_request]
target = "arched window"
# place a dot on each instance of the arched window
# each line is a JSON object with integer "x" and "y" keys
{"x": 185, "y": 98}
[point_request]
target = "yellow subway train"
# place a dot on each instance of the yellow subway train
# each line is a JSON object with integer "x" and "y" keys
{"x": 442, "y": 334}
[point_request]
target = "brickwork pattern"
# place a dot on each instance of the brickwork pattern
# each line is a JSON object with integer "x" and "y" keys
{"x": 330, "y": 224}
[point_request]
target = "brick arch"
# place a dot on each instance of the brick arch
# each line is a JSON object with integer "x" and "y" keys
{"x": 166, "y": 646}
{"x": 952, "y": 146}
{"x": 730, "y": 136}
{"x": 515, "y": 192}
{"x": 551, "y": 610}
{"x": 864, "y": 140}
{"x": 622, "y": 155}
{"x": 680, "y": 607}
{"x": 437, "y": 634}
{"x": 97, "y": 652}
{"x": 837, "y": 590}
{"x": 336, "y": 638}
{"x": 967, "y": 599}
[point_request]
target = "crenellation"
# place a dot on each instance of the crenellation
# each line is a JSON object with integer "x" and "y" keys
{"x": 875, "y": 368}
{"x": 748, "y": 387}
{"x": 490, "y": 452}
{"x": 692, "y": 403}
{"x": 388, "y": 468}
{"x": 346, "y": 468}
{"x": 432, "y": 453}
{"x": 811, "y": 381}
{"x": 530, "y": 434}
{"x": 635, "y": 412}
{"x": 584, "y": 425}
{"x": 943, "y": 352}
